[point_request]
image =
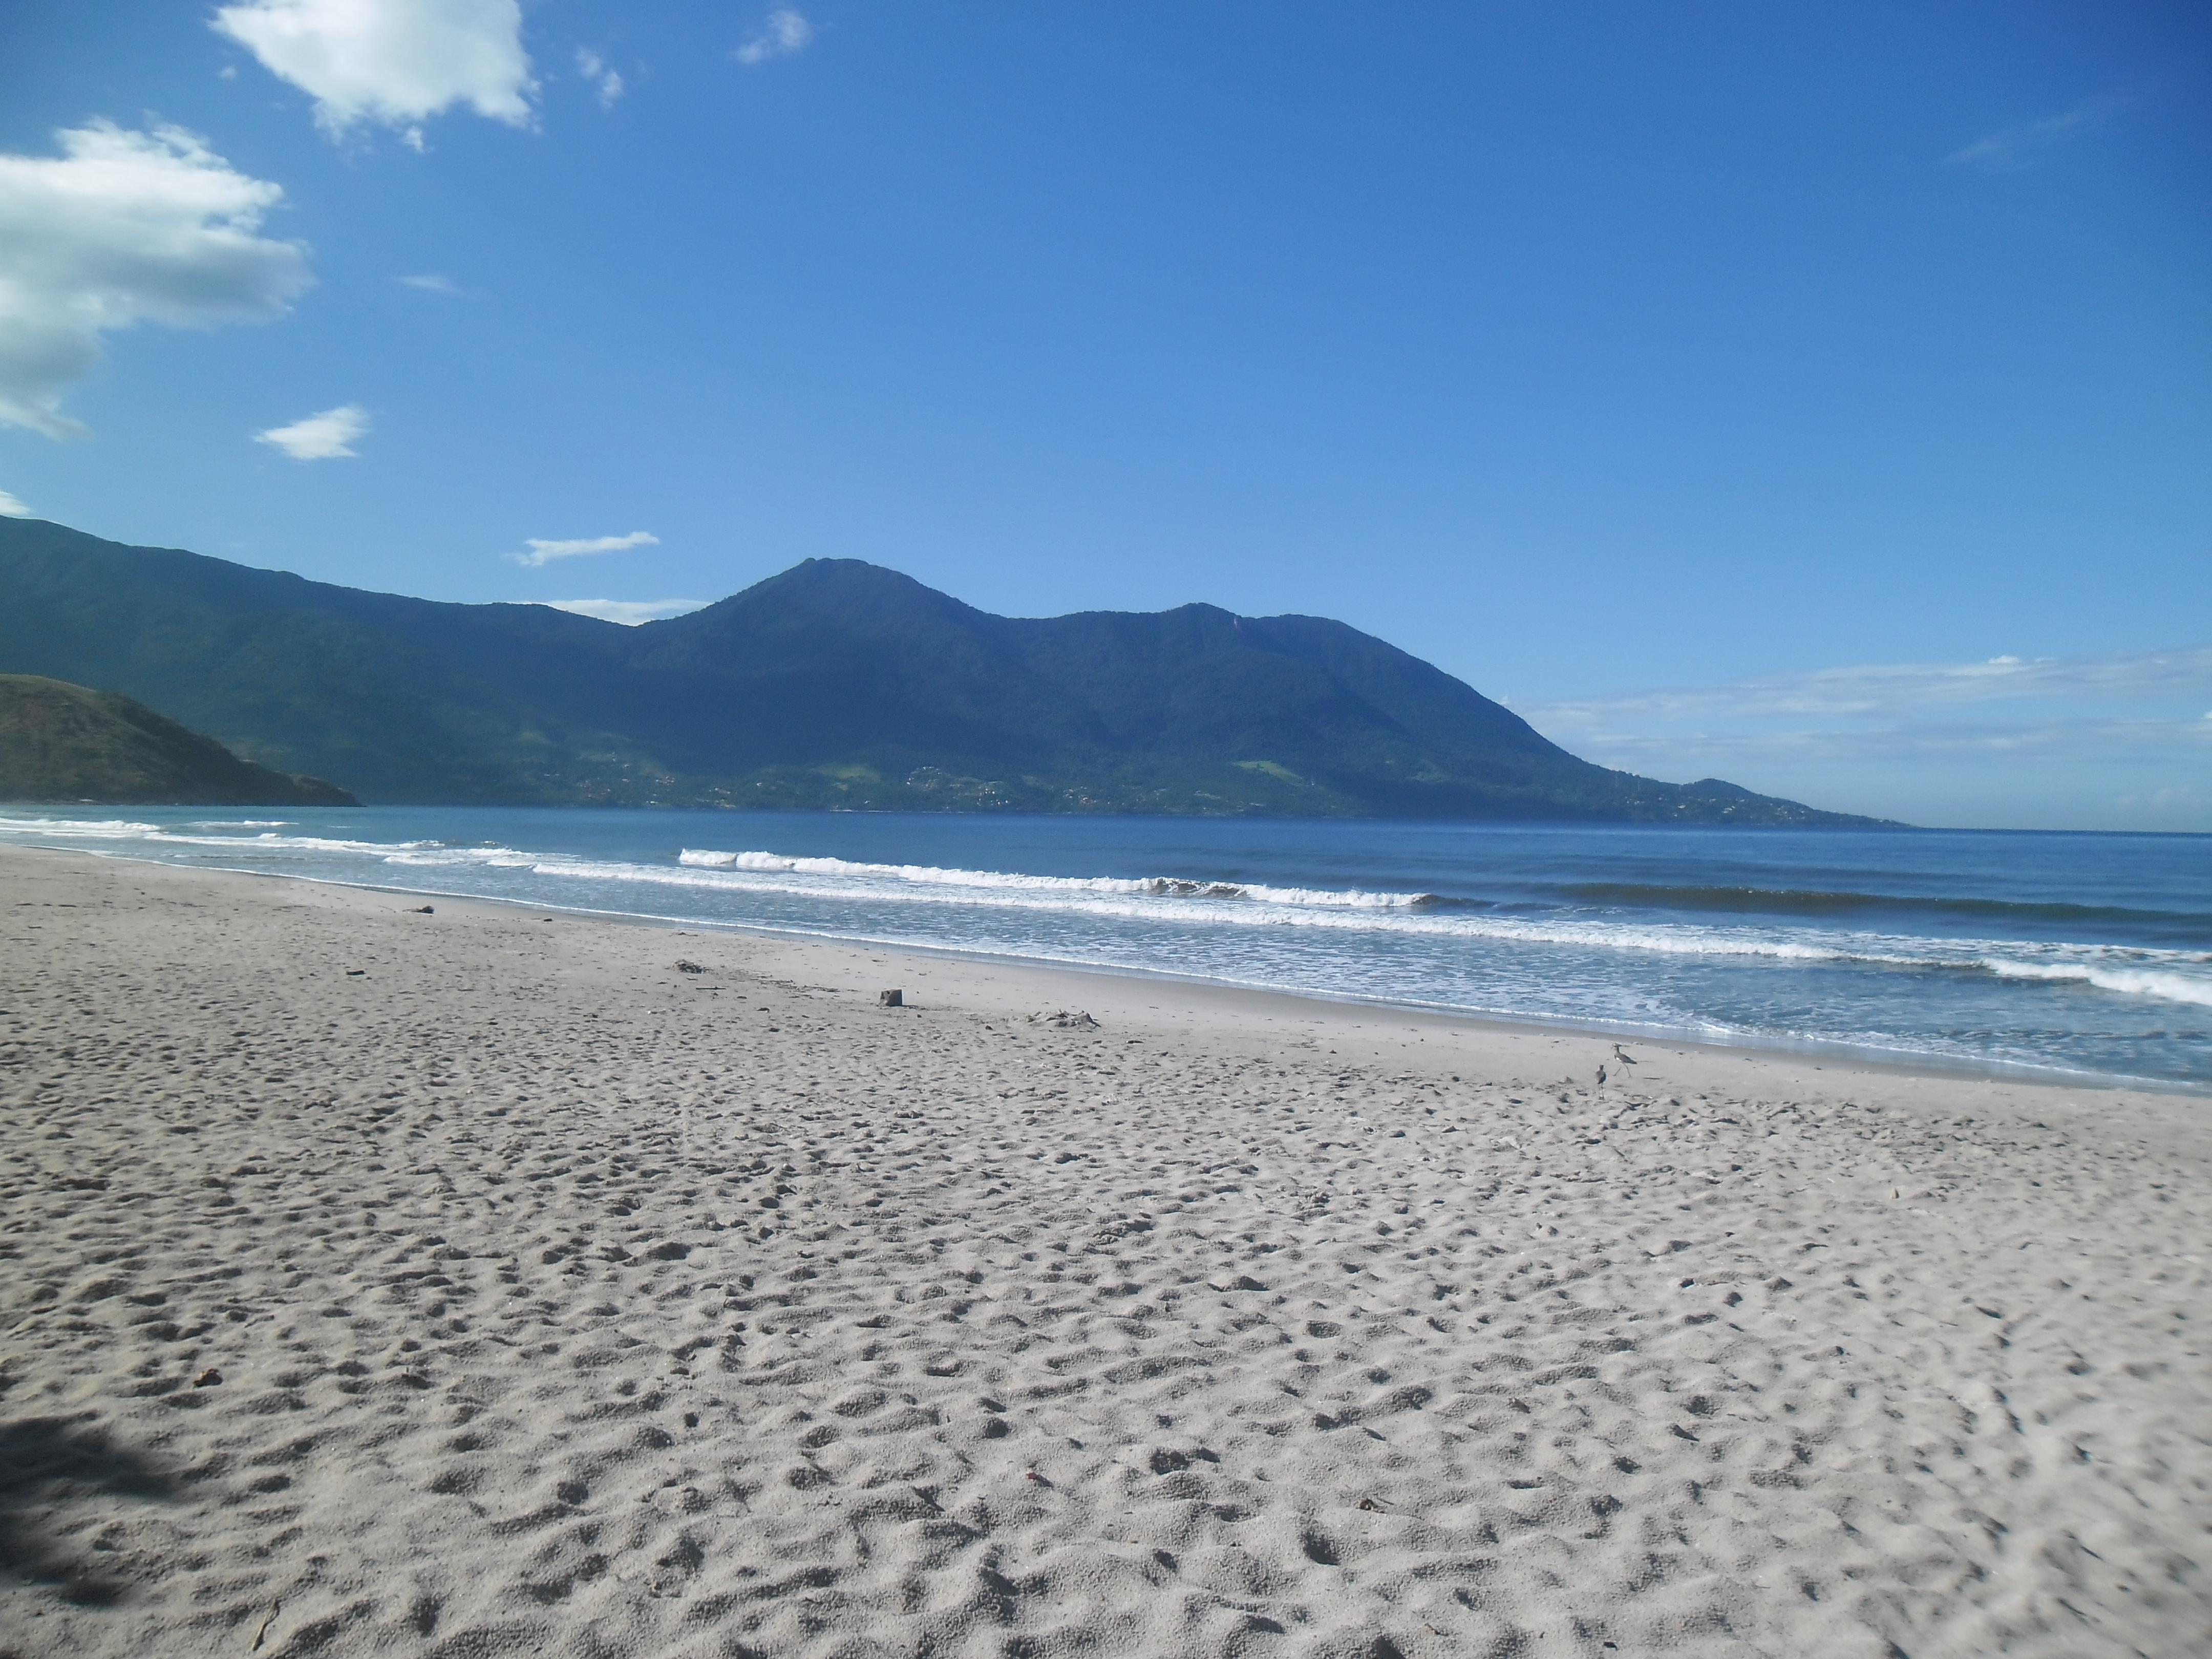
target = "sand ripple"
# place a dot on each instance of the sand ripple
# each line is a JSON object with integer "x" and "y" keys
{"x": 468, "y": 1285}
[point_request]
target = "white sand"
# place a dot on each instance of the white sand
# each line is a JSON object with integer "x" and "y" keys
{"x": 565, "y": 1303}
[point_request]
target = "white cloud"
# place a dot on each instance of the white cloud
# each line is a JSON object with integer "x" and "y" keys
{"x": 395, "y": 61}
{"x": 2011, "y": 148}
{"x": 629, "y": 612}
{"x": 1900, "y": 742}
{"x": 11, "y": 506}
{"x": 1904, "y": 689}
{"x": 124, "y": 227}
{"x": 432, "y": 284}
{"x": 328, "y": 436}
{"x": 2047, "y": 741}
{"x": 604, "y": 81}
{"x": 544, "y": 552}
{"x": 784, "y": 35}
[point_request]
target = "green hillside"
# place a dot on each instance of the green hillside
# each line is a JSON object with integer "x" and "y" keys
{"x": 64, "y": 742}
{"x": 834, "y": 684}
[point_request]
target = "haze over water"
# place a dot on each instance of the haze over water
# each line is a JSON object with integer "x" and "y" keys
{"x": 2083, "y": 954}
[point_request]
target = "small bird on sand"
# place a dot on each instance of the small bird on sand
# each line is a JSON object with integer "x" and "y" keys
{"x": 1601, "y": 1077}
{"x": 1623, "y": 1055}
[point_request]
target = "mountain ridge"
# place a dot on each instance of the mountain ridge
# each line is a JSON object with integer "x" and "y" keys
{"x": 833, "y": 683}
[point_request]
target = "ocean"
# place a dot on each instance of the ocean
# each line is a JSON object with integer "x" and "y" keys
{"x": 2088, "y": 955}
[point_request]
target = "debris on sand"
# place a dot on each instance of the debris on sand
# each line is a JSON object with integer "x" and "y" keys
{"x": 1062, "y": 1019}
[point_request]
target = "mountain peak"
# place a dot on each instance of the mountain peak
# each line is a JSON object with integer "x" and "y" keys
{"x": 833, "y": 683}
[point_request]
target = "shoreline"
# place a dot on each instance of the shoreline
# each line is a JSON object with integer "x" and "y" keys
{"x": 471, "y": 1283}
{"x": 1818, "y": 1052}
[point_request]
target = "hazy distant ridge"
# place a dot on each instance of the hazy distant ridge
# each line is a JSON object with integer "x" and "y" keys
{"x": 837, "y": 683}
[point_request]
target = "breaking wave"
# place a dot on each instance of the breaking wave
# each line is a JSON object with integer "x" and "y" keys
{"x": 1818, "y": 901}
{"x": 1120, "y": 886}
{"x": 2128, "y": 981}
{"x": 2172, "y": 975}
{"x": 1611, "y": 949}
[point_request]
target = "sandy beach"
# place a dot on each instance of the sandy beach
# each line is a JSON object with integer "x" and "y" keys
{"x": 485, "y": 1282}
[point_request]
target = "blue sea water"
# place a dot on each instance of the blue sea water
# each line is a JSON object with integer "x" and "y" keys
{"x": 2089, "y": 955}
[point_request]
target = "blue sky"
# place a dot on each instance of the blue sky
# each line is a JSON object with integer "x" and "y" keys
{"x": 1815, "y": 396}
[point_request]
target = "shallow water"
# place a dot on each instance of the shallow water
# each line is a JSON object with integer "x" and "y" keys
{"x": 2087, "y": 954}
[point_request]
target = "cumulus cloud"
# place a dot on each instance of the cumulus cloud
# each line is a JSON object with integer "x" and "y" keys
{"x": 328, "y": 436}
{"x": 124, "y": 227}
{"x": 2014, "y": 146}
{"x": 605, "y": 82}
{"x": 396, "y": 62}
{"x": 629, "y": 612}
{"x": 432, "y": 284}
{"x": 544, "y": 552}
{"x": 11, "y": 506}
{"x": 784, "y": 33}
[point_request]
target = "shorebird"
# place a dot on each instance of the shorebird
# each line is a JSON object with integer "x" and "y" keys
{"x": 1601, "y": 1077}
{"x": 1623, "y": 1055}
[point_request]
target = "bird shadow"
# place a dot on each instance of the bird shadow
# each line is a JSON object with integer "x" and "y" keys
{"x": 45, "y": 1463}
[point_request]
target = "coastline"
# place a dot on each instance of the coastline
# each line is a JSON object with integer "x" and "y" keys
{"x": 1816, "y": 1053}
{"x": 559, "y": 1298}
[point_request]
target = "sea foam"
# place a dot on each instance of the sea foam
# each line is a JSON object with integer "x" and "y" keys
{"x": 1133, "y": 887}
{"x": 1577, "y": 950}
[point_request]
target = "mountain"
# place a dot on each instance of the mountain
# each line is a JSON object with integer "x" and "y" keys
{"x": 834, "y": 684}
{"x": 66, "y": 743}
